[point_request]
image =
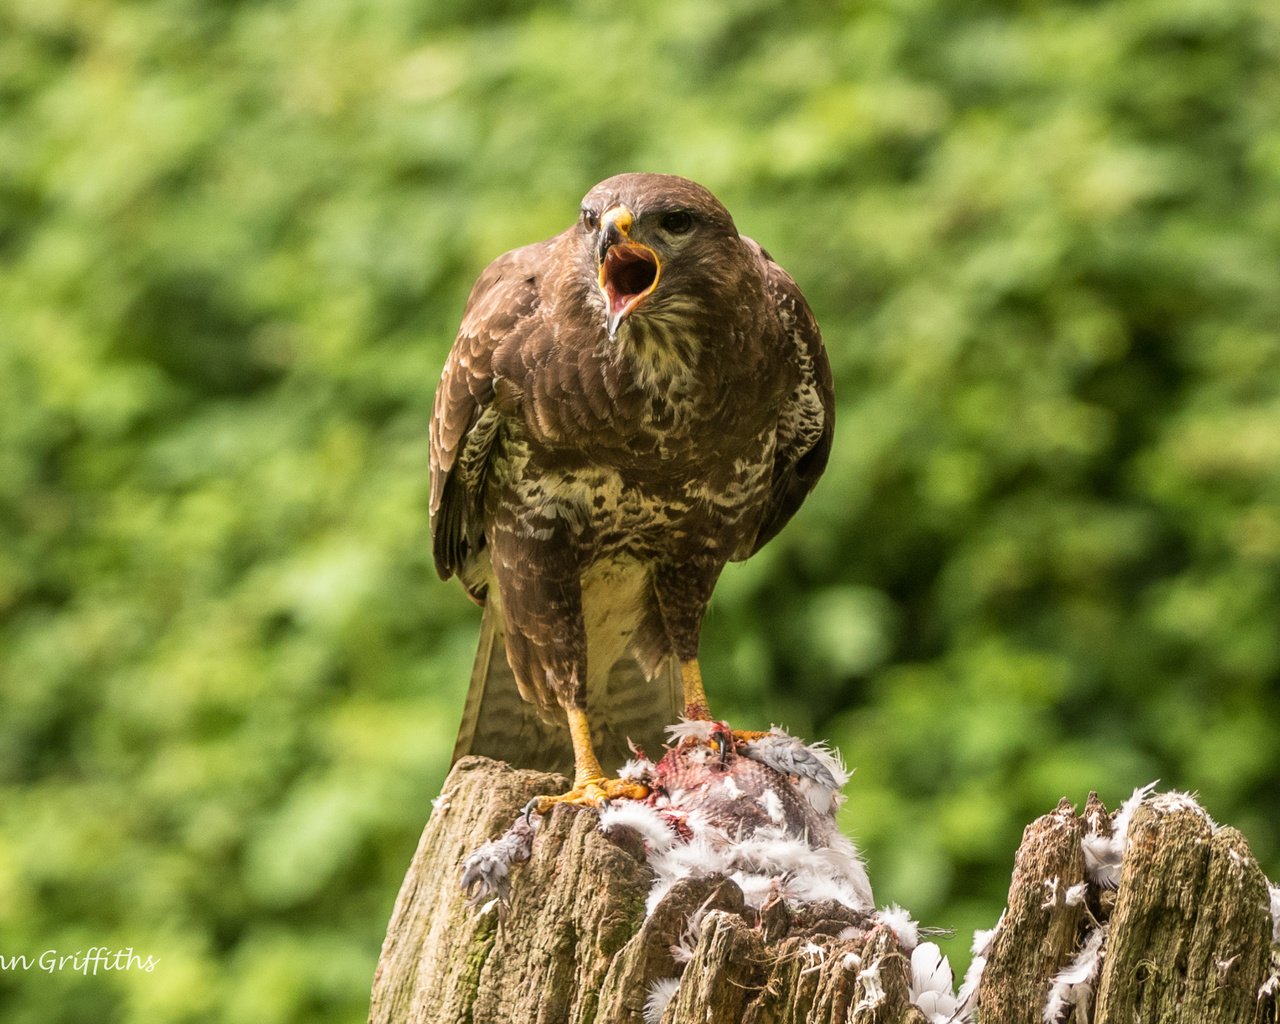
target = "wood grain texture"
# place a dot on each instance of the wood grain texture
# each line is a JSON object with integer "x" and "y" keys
{"x": 1188, "y": 931}
{"x": 1039, "y": 932}
{"x": 1191, "y": 930}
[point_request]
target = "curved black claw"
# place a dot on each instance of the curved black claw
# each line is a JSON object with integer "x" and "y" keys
{"x": 722, "y": 742}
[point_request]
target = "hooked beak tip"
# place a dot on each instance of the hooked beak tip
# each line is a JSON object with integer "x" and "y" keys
{"x": 612, "y": 322}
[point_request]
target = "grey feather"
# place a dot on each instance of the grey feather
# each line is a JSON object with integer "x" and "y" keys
{"x": 487, "y": 872}
{"x": 791, "y": 756}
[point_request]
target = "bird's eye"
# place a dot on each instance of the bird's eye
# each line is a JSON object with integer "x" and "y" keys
{"x": 590, "y": 219}
{"x": 677, "y": 222}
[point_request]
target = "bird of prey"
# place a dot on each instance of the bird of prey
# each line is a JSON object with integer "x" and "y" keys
{"x": 628, "y": 406}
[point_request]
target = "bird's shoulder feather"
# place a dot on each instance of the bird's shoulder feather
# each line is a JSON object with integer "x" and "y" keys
{"x": 503, "y": 306}
{"x": 807, "y": 421}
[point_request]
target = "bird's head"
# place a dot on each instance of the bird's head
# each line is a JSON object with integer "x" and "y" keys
{"x": 655, "y": 242}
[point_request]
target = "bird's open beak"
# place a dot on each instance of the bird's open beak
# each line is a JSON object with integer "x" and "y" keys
{"x": 629, "y": 271}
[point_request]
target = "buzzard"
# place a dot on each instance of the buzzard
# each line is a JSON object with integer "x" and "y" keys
{"x": 628, "y": 406}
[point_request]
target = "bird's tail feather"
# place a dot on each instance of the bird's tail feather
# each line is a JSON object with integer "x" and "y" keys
{"x": 497, "y": 722}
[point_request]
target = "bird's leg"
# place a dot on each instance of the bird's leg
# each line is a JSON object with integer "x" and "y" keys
{"x": 695, "y": 701}
{"x": 695, "y": 697}
{"x": 590, "y": 787}
{"x": 683, "y": 587}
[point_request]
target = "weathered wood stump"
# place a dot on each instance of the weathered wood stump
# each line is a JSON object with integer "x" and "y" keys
{"x": 1186, "y": 936}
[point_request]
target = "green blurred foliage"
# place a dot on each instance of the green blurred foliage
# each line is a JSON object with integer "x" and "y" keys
{"x": 1043, "y": 241}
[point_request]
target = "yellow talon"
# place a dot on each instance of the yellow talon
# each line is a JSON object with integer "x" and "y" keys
{"x": 695, "y": 697}
{"x": 594, "y": 792}
{"x": 590, "y": 787}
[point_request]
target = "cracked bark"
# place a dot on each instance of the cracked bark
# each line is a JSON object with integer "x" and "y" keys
{"x": 1188, "y": 930}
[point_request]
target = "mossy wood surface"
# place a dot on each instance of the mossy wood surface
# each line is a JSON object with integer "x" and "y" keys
{"x": 1188, "y": 930}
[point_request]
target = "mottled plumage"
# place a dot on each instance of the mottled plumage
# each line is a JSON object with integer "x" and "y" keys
{"x": 628, "y": 406}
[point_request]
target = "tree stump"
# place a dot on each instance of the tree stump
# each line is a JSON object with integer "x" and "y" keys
{"x": 1186, "y": 936}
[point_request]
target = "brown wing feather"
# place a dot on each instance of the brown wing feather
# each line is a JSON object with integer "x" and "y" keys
{"x": 807, "y": 422}
{"x": 501, "y": 304}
